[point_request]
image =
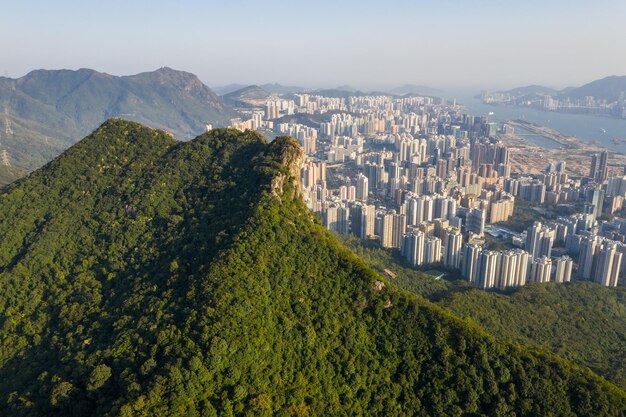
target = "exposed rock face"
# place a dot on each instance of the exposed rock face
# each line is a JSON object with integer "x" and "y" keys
{"x": 378, "y": 286}
{"x": 289, "y": 153}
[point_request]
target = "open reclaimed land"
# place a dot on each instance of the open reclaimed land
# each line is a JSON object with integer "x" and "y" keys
{"x": 528, "y": 157}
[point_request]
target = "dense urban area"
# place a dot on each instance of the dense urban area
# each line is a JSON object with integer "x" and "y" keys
{"x": 421, "y": 176}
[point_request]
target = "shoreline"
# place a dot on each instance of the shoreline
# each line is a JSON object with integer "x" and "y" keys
{"x": 533, "y": 158}
{"x": 606, "y": 132}
{"x": 573, "y": 113}
{"x": 548, "y": 133}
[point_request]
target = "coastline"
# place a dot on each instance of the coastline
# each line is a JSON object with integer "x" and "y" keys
{"x": 529, "y": 157}
{"x": 599, "y": 132}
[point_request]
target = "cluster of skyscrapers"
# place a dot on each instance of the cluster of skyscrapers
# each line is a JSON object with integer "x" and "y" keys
{"x": 419, "y": 176}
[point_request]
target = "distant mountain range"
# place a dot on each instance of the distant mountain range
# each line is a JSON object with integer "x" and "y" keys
{"x": 46, "y": 111}
{"x": 608, "y": 88}
{"x": 270, "y": 88}
{"x": 9, "y": 174}
{"x": 228, "y": 88}
{"x": 415, "y": 89}
{"x": 340, "y": 91}
{"x": 347, "y": 91}
{"x": 407, "y": 89}
{"x": 347, "y": 88}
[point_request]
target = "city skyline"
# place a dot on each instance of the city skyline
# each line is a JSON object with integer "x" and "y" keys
{"x": 442, "y": 191}
{"x": 445, "y": 45}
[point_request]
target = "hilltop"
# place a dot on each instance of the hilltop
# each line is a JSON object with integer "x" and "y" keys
{"x": 247, "y": 97}
{"x": 272, "y": 88}
{"x": 276, "y": 88}
{"x": 146, "y": 276}
{"x": 608, "y": 88}
{"x": 46, "y": 111}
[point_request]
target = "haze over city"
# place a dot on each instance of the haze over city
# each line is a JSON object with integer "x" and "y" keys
{"x": 366, "y": 44}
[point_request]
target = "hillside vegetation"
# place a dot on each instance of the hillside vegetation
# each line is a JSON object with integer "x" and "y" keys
{"x": 582, "y": 321}
{"x": 142, "y": 276}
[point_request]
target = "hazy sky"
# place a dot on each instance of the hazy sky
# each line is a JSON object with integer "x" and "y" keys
{"x": 367, "y": 44}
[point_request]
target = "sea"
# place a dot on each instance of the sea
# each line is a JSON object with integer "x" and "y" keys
{"x": 595, "y": 129}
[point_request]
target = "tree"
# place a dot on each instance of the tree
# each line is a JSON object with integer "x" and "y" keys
{"x": 98, "y": 377}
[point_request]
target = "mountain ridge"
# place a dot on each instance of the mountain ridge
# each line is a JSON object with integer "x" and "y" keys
{"x": 45, "y": 111}
{"x": 412, "y": 89}
{"x": 532, "y": 90}
{"x": 607, "y": 88}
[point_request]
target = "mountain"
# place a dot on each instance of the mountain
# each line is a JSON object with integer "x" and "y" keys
{"x": 46, "y": 111}
{"x": 228, "y": 88}
{"x": 250, "y": 96}
{"x": 347, "y": 88}
{"x": 282, "y": 89}
{"x": 145, "y": 276}
{"x": 415, "y": 89}
{"x": 8, "y": 174}
{"x": 273, "y": 88}
{"x": 337, "y": 93}
{"x": 608, "y": 89}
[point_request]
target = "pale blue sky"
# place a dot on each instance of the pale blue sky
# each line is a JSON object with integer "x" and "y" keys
{"x": 363, "y": 43}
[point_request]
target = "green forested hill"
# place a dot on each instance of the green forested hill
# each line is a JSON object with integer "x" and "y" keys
{"x": 140, "y": 276}
{"x": 582, "y": 321}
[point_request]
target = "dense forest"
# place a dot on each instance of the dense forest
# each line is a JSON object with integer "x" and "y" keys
{"x": 581, "y": 321}
{"x": 141, "y": 276}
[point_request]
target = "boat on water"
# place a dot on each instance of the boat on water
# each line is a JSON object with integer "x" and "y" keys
{"x": 603, "y": 130}
{"x": 618, "y": 141}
